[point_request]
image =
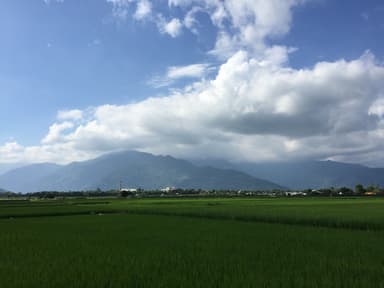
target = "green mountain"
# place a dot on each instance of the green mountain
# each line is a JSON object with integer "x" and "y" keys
{"x": 134, "y": 169}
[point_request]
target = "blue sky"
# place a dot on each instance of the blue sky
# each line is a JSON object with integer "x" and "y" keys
{"x": 85, "y": 55}
{"x": 75, "y": 54}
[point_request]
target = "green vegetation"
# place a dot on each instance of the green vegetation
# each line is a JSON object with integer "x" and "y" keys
{"x": 192, "y": 242}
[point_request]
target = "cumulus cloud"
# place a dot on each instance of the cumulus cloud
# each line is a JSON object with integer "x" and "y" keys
{"x": 55, "y": 132}
{"x": 250, "y": 111}
{"x": 241, "y": 24}
{"x": 13, "y": 152}
{"x": 253, "y": 21}
{"x": 256, "y": 107}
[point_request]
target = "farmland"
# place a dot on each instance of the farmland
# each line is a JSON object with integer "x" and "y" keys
{"x": 258, "y": 242}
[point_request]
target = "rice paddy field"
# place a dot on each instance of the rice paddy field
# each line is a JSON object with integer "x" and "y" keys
{"x": 240, "y": 242}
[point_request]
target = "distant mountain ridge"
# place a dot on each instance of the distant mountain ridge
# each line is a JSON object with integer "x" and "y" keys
{"x": 21, "y": 179}
{"x": 8, "y": 167}
{"x": 307, "y": 174}
{"x": 134, "y": 169}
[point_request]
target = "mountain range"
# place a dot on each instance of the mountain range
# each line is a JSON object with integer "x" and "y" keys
{"x": 306, "y": 174}
{"x": 137, "y": 169}
{"x": 133, "y": 169}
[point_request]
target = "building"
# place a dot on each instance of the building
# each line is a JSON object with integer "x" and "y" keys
{"x": 168, "y": 189}
{"x": 128, "y": 190}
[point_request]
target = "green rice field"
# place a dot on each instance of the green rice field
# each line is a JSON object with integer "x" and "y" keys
{"x": 240, "y": 242}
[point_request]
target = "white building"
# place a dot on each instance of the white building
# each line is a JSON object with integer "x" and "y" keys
{"x": 168, "y": 189}
{"x": 294, "y": 193}
{"x": 128, "y": 190}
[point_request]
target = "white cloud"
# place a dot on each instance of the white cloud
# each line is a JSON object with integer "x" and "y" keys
{"x": 250, "y": 111}
{"x": 173, "y": 28}
{"x": 143, "y": 10}
{"x": 180, "y": 2}
{"x": 121, "y": 11}
{"x": 190, "y": 21}
{"x": 256, "y": 108}
{"x": 74, "y": 114}
{"x": 377, "y": 107}
{"x": 10, "y": 151}
{"x": 50, "y": 1}
{"x": 255, "y": 22}
{"x": 193, "y": 71}
{"x": 241, "y": 24}
{"x": 56, "y": 131}
{"x": 13, "y": 152}
{"x": 120, "y": 8}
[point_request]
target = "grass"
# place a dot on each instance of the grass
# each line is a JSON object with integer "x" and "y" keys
{"x": 157, "y": 244}
{"x": 359, "y": 213}
{"x": 365, "y": 214}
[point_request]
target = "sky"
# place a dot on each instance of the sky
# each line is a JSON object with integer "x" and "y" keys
{"x": 242, "y": 80}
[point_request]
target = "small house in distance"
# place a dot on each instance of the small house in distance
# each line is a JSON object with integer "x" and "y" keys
{"x": 168, "y": 189}
{"x": 295, "y": 193}
{"x": 132, "y": 190}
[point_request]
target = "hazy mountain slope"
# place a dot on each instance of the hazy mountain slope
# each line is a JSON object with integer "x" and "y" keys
{"x": 8, "y": 167}
{"x": 5, "y": 193}
{"x": 23, "y": 178}
{"x": 308, "y": 174}
{"x": 134, "y": 169}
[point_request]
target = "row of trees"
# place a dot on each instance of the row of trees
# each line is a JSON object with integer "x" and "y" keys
{"x": 343, "y": 191}
{"x": 359, "y": 190}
